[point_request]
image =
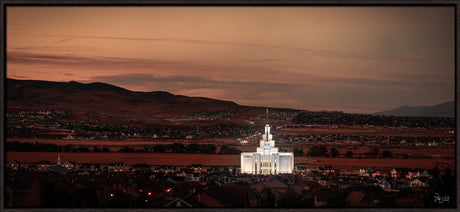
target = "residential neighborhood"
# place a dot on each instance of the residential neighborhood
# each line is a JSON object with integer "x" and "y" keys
{"x": 142, "y": 185}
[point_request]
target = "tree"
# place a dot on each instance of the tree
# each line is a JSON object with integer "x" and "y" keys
{"x": 373, "y": 153}
{"x": 63, "y": 198}
{"x": 447, "y": 172}
{"x": 349, "y": 154}
{"x": 292, "y": 199}
{"x": 337, "y": 200}
{"x": 208, "y": 148}
{"x": 224, "y": 149}
{"x": 316, "y": 151}
{"x": 268, "y": 199}
{"x": 435, "y": 173}
{"x": 126, "y": 149}
{"x": 192, "y": 148}
{"x": 159, "y": 148}
{"x": 82, "y": 149}
{"x": 387, "y": 154}
{"x": 298, "y": 152}
{"x": 334, "y": 152}
{"x": 323, "y": 151}
{"x": 176, "y": 147}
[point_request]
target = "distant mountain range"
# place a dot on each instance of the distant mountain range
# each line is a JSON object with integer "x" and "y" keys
{"x": 446, "y": 109}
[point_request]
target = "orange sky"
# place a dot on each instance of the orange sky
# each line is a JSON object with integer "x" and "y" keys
{"x": 352, "y": 59}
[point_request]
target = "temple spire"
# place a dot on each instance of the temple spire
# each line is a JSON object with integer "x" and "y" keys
{"x": 266, "y": 121}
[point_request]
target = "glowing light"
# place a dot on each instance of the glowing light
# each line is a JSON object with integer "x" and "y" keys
{"x": 150, "y": 193}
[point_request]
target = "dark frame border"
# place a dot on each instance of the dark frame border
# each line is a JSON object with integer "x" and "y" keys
{"x": 8, "y": 3}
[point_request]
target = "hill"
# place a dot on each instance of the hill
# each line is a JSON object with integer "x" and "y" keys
{"x": 101, "y": 99}
{"x": 446, "y": 109}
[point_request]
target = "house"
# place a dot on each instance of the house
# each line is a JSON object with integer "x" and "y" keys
{"x": 84, "y": 172}
{"x": 189, "y": 174}
{"x": 310, "y": 186}
{"x": 182, "y": 195}
{"x": 70, "y": 165}
{"x": 419, "y": 182}
{"x": 327, "y": 170}
{"x": 235, "y": 170}
{"x": 178, "y": 203}
{"x": 116, "y": 167}
{"x": 224, "y": 196}
{"x": 322, "y": 181}
{"x": 377, "y": 174}
{"x": 175, "y": 179}
{"x": 390, "y": 187}
{"x": 217, "y": 169}
{"x": 42, "y": 165}
{"x": 15, "y": 165}
{"x": 366, "y": 172}
{"x": 193, "y": 177}
{"x": 58, "y": 169}
{"x": 277, "y": 187}
{"x": 141, "y": 168}
{"x": 301, "y": 169}
{"x": 90, "y": 167}
{"x": 288, "y": 179}
{"x": 197, "y": 168}
{"x": 385, "y": 185}
{"x": 398, "y": 172}
{"x": 23, "y": 192}
{"x": 166, "y": 169}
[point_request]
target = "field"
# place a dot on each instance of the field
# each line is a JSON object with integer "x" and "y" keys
{"x": 404, "y": 156}
{"x": 223, "y": 160}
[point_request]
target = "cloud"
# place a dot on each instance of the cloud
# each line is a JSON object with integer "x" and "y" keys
{"x": 350, "y": 55}
{"x": 193, "y": 84}
{"x": 101, "y": 64}
{"x": 182, "y": 68}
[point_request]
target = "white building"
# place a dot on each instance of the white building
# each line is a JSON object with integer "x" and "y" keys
{"x": 267, "y": 160}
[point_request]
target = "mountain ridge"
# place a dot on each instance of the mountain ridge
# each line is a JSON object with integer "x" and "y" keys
{"x": 106, "y": 99}
{"x": 445, "y": 109}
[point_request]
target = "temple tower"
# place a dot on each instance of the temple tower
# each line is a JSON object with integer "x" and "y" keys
{"x": 267, "y": 160}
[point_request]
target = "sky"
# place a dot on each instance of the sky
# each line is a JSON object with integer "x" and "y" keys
{"x": 351, "y": 59}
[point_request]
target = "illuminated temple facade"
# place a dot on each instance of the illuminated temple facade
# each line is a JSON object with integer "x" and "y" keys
{"x": 267, "y": 160}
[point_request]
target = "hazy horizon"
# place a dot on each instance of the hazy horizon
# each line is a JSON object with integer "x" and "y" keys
{"x": 350, "y": 59}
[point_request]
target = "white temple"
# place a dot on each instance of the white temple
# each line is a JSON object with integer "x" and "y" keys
{"x": 267, "y": 160}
